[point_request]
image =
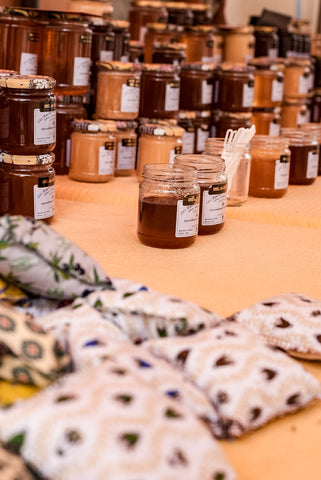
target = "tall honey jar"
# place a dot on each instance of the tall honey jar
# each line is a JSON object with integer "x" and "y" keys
{"x": 238, "y": 42}
{"x": 266, "y": 42}
{"x": 141, "y": 13}
{"x": 122, "y": 39}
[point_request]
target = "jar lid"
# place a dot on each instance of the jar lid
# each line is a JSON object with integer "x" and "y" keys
{"x": 204, "y": 164}
{"x": 235, "y": 28}
{"x": 298, "y": 136}
{"x": 94, "y": 126}
{"x": 119, "y": 66}
{"x": 31, "y": 82}
{"x": 226, "y": 67}
{"x": 69, "y": 99}
{"x": 46, "y": 159}
{"x": 294, "y": 102}
{"x": 263, "y": 28}
{"x": 200, "y": 28}
{"x": 236, "y": 115}
{"x": 198, "y": 66}
{"x": 271, "y": 111}
{"x": 160, "y": 67}
{"x": 203, "y": 114}
{"x": 126, "y": 124}
{"x": 186, "y": 115}
{"x": 120, "y": 24}
{"x": 147, "y": 3}
{"x": 199, "y": 7}
{"x": 297, "y": 62}
{"x": 176, "y": 5}
{"x": 171, "y": 173}
{"x": 269, "y": 141}
{"x": 267, "y": 63}
{"x": 136, "y": 44}
{"x": 156, "y": 26}
{"x": 168, "y": 122}
{"x": 7, "y": 73}
{"x": 169, "y": 46}
{"x": 21, "y": 12}
{"x": 161, "y": 130}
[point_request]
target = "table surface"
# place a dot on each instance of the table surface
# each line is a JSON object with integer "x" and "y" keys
{"x": 267, "y": 247}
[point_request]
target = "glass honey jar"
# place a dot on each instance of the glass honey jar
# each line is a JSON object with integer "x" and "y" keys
{"x": 66, "y": 52}
{"x": 136, "y": 51}
{"x": 118, "y": 90}
{"x": 267, "y": 121}
{"x": 223, "y": 121}
{"x": 196, "y": 86}
{"x": 20, "y": 41}
{"x": 238, "y": 43}
{"x": 93, "y": 145}
{"x": 315, "y": 130}
{"x": 266, "y": 42}
{"x": 297, "y": 78}
{"x": 122, "y": 39}
{"x": 199, "y": 42}
{"x": 268, "y": 82}
{"x": 100, "y": 8}
{"x": 158, "y": 144}
{"x": 168, "y": 209}
{"x": 293, "y": 113}
{"x": 27, "y": 185}
{"x": 186, "y": 120}
{"x": 202, "y": 124}
{"x": 270, "y": 166}
{"x": 234, "y": 88}
{"x": 126, "y": 147}
{"x": 171, "y": 53}
{"x": 27, "y": 115}
{"x": 156, "y": 33}
{"x": 179, "y": 13}
{"x": 212, "y": 181}
{"x": 143, "y": 12}
{"x": 202, "y": 14}
{"x": 160, "y": 89}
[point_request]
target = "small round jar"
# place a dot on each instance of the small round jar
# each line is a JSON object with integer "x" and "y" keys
{"x": 143, "y": 12}
{"x": 160, "y": 87}
{"x": 314, "y": 105}
{"x": 266, "y": 121}
{"x": 304, "y": 156}
{"x": 315, "y": 130}
{"x": 212, "y": 181}
{"x": 199, "y": 42}
{"x": 172, "y": 53}
{"x": 268, "y": 83}
{"x": 101, "y": 8}
{"x": 27, "y": 115}
{"x": 202, "y": 14}
{"x": 297, "y": 79}
{"x": 293, "y": 113}
{"x": 27, "y": 186}
{"x": 202, "y": 125}
{"x": 66, "y": 54}
{"x": 69, "y": 108}
{"x": 136, "y": 51}
{"x": 196, "y": 86}
{"x": 118, "y": 90}
{"x": 20, "y": 41}
{"x": 270, "y": 166}
{"x": 238, "y": 185}
{"x": 158, "y": 144}
{"x": 186, "y": 120}
{"x": 126, "y": 146}
{"x": 234, "y": 88}
{"x": 266, "y": 42}
{"x": 239, "y": 42}
{"x": 156, "y": 33}
{"x": 93, "y": 147}
{"x": 179, "y": 13}
{"x": 168, "y": 206}
{"x": 226, "y": 120}
{"x": 122, "y": 39}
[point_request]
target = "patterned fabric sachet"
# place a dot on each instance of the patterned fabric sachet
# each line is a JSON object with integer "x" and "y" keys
{"x": 41, "y": 261}
{"x": 290, "y": 321}
{"x": 28, "y": 354}
{"x": 12, "y": 467}
{"x": 143, "y": 313}
{"x": 119, "y": 428}
{"x": 248, "y": 381}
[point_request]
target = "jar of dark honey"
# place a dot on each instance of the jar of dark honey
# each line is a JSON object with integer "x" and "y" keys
{"x": 315, "y": 130}
{"x": 20, "y": 41}
{"x": 172, "y": 53}
{"x": 267, "y": 121}
{"x": 143, "y": 12}
{"x": 186, "y": 120}
{"x": 156, "y": 33}
{"x": 202, "y": 14}
{"x": 224, "y": 121}
{"x": 69, "y": 108}
{"x": 179, "y": 13}
{"x": 27, "y": 115}
{"x": 103, "y": 43}
{"x": 314, "y": 105}
{"x": 234, "y": 88}
{"x": 27, "y": 185}
{"x": 168, "y": 206}
{"x": 202, "y": 124}
{"x": 196, "y": 86}
{"x": 136, "y": 51}
{"x": 126, "y": 147}
{"x": 159, "y": 94}
{"x": 66, "y": 52}
{"x": 266, "y": 42}
{"x": 122, "y": 39}
{"x": 199, "y": 42}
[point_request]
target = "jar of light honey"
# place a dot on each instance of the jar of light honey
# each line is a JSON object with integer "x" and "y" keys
{"x": 126, "y": 146}
{"x": 238, "y": 42}
{"x": 199, "y": 42}
{"x": 268, "y": 82}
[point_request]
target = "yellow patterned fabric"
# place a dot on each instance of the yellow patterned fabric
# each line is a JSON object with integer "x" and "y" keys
{"x": 10, "y": 393}
{"x": 10, "y": 293}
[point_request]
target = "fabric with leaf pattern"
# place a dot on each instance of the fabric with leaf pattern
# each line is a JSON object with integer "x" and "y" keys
{"x": 41, "y": 261}
{"x": 107, "y": 424}
{"x": 28, "y": 354}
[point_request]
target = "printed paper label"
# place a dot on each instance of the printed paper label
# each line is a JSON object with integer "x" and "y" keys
{"x": 313, "y": 163}
{"x": 172, "y": 96}
{"x": 106, "y": 161}
{"x": 124, "y": 58}
{"x": 302, "y": 117}
{"x": 208, "y": 59}
{"x": 274, "y": 129}
{"x": 248, "y": 94}
{"x": 175, "y": 151}
{"x": 126, "y": 154}
{"x": 44, "y": 127}
{"x": 281, "y": 172}
{"x": 188, "y": 142}
{"x": 304, "y": 83}
{"x": 81, "y": 71}
{"x": 273, "y": 52}
{"x": 277, "y": 90}
{"x": 202, "y": 136}
{"x": 68, "y": 145}
{"x": 44, "y": 198}
{"x": 106, "y": 55}
{"x": 142, "y": 33}
{"x": 207, "y": 92}
{"x": 187, "y": 217}
{"x": 28, "y": 63}
{"x": 130, "y": 98}
{"x": 213, "y": 207}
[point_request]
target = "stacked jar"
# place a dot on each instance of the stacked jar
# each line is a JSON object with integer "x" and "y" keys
{"x": 27, "y": 139}
{"x": 143, "y": 12}
{"x": 196, "y": 97}
{"x": 315, "y": 130}
{"x": 238, "y": 43}
{"x": 268, "y": 95}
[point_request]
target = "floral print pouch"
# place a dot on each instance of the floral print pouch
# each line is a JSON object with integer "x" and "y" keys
{"x": 290, "y": 321}
{"x": 106, "y": 424}
{"x": 41, "y": 261}
{"x": 248, "y": 381}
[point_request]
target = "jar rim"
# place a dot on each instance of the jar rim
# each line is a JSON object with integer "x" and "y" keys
{"x": 45, "y": 159}
{"x": 204, "y": 164}
{"x": 169, "y": 172}
{"x": 93, "y": 126}
{"x": 29, "y": 82}
{"x": 161, "y": 130}
{"x": 269, "y": 141}
{"x": 298, "y": 136}
{"x": 198, "y": 66}
{"x": 118, "y": 66}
